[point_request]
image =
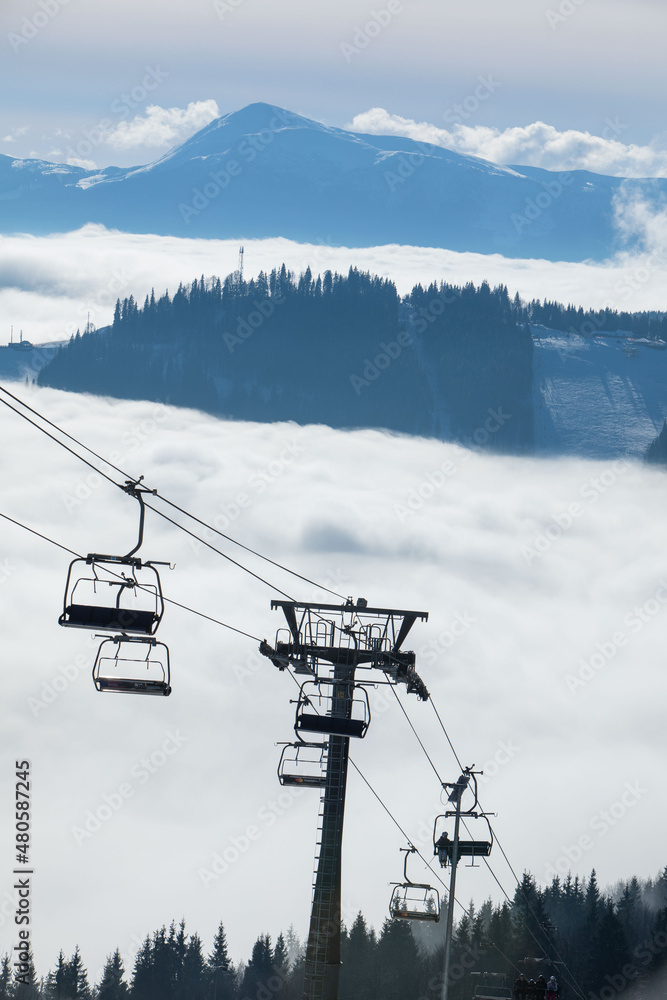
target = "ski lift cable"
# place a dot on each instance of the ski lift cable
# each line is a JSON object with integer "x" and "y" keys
{"x": 61, "y": 443}
{"x": 168, "y": 600}
{"x": 248, "y": 549}
{"x": 223, "y": 554}
{"x": 62, "y": 431}
{"x": 216, "y": 621}
{"x": 126, "y": 475}
{"x": 40, "y": 535}
{"x": 442, "y": 726}
{"x": 428, "y": 757}
{"x": 399, "y": 827}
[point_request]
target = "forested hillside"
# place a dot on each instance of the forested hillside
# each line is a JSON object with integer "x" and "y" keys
{"x": 598, "y": 946}
{"x": 451, "y": 362}
{"x": 343, "y": 350}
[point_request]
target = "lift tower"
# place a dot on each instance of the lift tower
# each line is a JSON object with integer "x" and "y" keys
{"x": 327, "y": 644}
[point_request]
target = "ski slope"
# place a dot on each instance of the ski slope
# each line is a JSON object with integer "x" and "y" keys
{"x": 597, "y": 397}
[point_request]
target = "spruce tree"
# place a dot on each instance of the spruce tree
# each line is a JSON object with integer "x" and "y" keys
{"x": 219, "y": 969}
{"x": 25, "y": 986}
{"x": 194, "y": 979}
{"x": 112, "y": 984}
{"x": 259, "y": 969}
{"x": 79, "y": 977}
{"x": 6, "y": 985}
{"x": 358, "y": 955}
{"x": 609, "y": 950}
{"x": 397, "y": 963}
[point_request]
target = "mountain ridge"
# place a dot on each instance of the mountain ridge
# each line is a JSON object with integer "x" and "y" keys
{"x": 264, "y": 172}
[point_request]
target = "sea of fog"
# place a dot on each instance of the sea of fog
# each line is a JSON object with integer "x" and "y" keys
{"x": 546, "y": 586}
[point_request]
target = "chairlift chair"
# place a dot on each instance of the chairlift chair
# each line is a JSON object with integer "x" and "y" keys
{"x": 115, "y": 593}
{"x": 324, "y": 722}
{"x": 414, "y": 900}
{"x": 132, "y": 665}
{"x": 444, "y": 848}
{"x": 303, "y": 764}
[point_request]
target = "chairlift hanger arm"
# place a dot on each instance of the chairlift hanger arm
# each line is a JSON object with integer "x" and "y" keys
{"x": 408, "y": 851}
{"x": 133, "y": 488}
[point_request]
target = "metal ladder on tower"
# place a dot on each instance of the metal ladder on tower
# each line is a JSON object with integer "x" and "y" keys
{"x": 326, "y": 871}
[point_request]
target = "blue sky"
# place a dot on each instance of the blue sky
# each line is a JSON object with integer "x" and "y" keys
{"x": 576, "y": 65}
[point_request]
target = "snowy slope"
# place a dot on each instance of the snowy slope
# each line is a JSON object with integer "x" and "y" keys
{"x": 598, "y": 397}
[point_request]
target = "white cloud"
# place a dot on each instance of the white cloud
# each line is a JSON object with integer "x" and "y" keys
{"x": 160, "y": 127}
{"x": 502, "y": 680}
{"x": 536, "y": 145}
{"x": 16, "y": 134}
{"x": 637, "y": 217}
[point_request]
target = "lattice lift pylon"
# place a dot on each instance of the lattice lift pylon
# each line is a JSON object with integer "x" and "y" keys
{"x": 336, "y": 649}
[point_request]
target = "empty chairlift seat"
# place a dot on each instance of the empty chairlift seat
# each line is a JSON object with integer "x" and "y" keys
{"x": 333, "y": 709}
{"x": 113, "y": 594}
{"x": 126, "y": 665}
{"x": 303, "y": 764}
{"x": 412, "y": 901}
{"x": 330, "y": 725}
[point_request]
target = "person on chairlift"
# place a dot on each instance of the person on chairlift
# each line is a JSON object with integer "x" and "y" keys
{"x": 443, "y": 847}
